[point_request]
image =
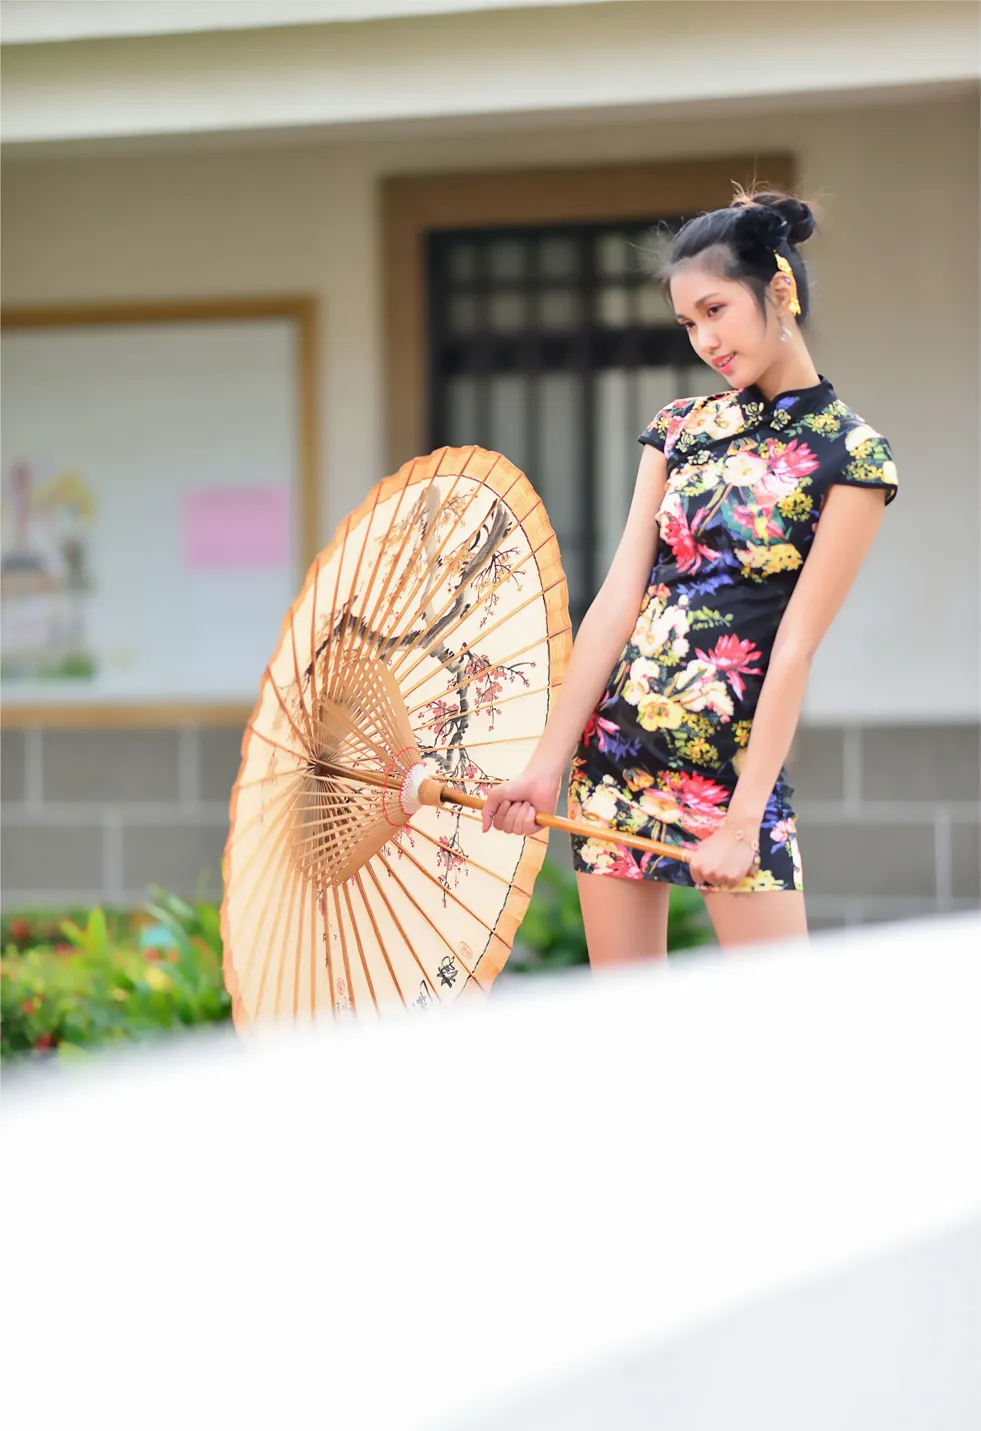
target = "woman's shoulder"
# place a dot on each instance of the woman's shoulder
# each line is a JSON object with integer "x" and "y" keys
{"x": 848, "y": 423}
{"x": 858, "y": 454}
{"x": 692, "y": 416}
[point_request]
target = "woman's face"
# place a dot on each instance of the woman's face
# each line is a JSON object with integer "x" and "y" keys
{"x": 723, "y": 320}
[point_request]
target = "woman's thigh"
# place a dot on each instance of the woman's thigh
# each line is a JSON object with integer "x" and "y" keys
{"x": 625, "y": 919}
{"x": 740, "y": 919}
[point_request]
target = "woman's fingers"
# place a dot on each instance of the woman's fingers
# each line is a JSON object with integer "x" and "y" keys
{"x": 501, "y": 814}
{"x": 713, "y": 879}
{"x": 495, "y": 808}
{"x": 513, "y": 817}
{"x": 517, "y": 818}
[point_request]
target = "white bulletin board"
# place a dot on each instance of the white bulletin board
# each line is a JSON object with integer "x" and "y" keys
{"x": 158, "y": 503}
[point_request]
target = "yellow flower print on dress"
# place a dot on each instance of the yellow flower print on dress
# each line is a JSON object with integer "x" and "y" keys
{"x": 598, "y": 855}
{"x": 700, "y": 688}
{"x": 637, "y": 780}
{"x": 746, "y": 469}
{"x": 602, "y": 802}
{"x": 659, "y": 628}
{"x": 661, "y": 806}
{"x": 697, "y": 478}
{"x": 825, "y": 423}
{"x": 643, "y": 673}
{"x": 758, "y": 882}
{"x": 700, "y": 724}
{"x": 702, "y": 752}
{"x": 741, "y": 731}
{"x": 656, "y": 712}
{"x": 715, "y": 419}
{"x": 796, "y": 506}
{"x": 759, "y": 562}
{"x": 859, "y": 436}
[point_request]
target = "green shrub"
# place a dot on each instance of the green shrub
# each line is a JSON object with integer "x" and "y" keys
{"x": 110, "y": 978}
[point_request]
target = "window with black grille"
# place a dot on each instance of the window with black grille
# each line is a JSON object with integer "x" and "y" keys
{"x": 555, "y": 347}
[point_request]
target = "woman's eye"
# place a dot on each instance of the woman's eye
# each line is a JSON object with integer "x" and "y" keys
{"x": 716, "y": 308}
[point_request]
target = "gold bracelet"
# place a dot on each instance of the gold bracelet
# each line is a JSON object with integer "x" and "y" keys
{"x": 754, "y": 844}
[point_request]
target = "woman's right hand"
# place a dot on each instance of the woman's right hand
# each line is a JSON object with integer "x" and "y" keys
{"x": 512, "y": 805}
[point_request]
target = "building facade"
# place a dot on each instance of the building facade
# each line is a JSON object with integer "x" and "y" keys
{"x": 465, "y": 194}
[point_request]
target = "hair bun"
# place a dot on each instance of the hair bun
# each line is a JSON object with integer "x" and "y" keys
{"x": 795, "y": 218}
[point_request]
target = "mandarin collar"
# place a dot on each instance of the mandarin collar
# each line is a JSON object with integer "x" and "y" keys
{"x": 752, "y": 400}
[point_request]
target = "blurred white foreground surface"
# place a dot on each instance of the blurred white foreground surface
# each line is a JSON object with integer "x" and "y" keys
{"x": 733, "y": 1192}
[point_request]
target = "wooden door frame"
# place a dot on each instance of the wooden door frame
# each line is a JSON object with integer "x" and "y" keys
{"x": 414, "y": 204}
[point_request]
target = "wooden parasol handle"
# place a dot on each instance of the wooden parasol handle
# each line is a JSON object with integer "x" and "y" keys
{"x": 432, "y": 792}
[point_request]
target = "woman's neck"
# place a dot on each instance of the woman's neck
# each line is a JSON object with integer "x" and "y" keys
{"x": 792, "y": 370}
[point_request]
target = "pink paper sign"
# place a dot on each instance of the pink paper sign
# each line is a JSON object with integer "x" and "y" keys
{"x": 235, "y": 528}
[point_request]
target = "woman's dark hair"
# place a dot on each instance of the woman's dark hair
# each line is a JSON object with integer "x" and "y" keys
{"x": 748, "y": 235}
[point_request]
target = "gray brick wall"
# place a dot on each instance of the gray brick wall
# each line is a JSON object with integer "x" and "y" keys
{"x": 889, "y": 816}
{"x": 98, "y": 815}
{"x": 888, "y": 820}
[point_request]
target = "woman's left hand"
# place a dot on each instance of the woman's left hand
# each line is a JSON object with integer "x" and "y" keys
{"x": 723, "y": 860}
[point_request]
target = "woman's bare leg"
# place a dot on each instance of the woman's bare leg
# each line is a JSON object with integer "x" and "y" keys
{"x": 625, "y": 919}
{"x": 756, "y": 918}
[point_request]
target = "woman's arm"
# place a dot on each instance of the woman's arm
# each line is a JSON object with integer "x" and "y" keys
{"x": 608, "y": 622}
{"x": 847, "y": 528}
{"x": 602, "y": 633}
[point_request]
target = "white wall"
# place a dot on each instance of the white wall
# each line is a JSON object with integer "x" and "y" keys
{"x": 47, "y": 21}
{"x": 895, "y": 322}
{"x": 524, "y": 60}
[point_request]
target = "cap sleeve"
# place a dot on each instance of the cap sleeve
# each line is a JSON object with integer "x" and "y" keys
{"x": 868, "y": 462}
{"x": 661, "y": 431}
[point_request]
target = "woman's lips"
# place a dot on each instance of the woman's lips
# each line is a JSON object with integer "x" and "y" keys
{"x": 724, "y": 364}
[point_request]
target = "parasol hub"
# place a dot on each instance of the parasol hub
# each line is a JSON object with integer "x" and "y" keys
{"x": 409, "y": 798}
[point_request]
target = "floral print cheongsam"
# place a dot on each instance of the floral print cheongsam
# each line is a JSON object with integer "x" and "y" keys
{"x": 660, "y": 754}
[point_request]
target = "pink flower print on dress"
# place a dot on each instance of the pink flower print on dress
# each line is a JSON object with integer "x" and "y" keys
{"x": 661, "y": 805}
{"x": 700, "y": 799}
{"x": 688, "y": 552}
{"x": 784, "y": 469}
{"x": 734, "y": 658}
{"x": 601, "y": 728}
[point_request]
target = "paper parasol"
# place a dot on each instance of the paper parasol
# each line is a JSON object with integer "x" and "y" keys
{"x": 413, "y": 671}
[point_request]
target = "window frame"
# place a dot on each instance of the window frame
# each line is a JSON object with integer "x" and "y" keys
{"x": 412, "y": 205}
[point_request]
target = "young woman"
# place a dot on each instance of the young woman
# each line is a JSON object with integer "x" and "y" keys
{"x": 752, "y": 514}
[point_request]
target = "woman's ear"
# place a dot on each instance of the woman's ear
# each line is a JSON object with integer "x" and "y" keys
{"x": 781, "y": 291}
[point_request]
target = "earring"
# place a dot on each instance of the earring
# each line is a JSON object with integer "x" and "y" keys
{"x": 784, "y": 331}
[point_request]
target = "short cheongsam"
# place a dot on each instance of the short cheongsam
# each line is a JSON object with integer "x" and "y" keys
{"x": 660, "y": 754}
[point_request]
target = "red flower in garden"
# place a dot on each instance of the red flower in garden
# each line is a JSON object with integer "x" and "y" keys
{"x": 44, "y": 1042}
{"x": 734, "y": 657}
{"x": 20, "y": 931}
{"x": 152, "y": 955}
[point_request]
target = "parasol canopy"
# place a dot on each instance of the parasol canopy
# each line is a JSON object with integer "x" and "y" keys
{"x": 428, "y": 637}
